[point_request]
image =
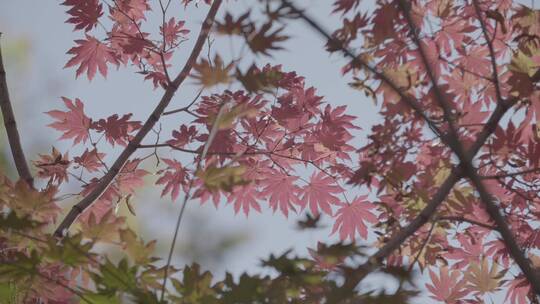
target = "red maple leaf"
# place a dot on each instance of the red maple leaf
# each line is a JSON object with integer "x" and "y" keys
{"x": 117, "y": 130}
{"x": 318, "y": 194}
{"x": 281, "y": 191}
{"x": 183, "y": 137}
{"x": 91, "y": 55}
{"x": 246, "y": 198}
{"x": 351, "y": 218}
{"x": 90, "y": 160}
{"x": 84, "y": 13}
{"x": 345, "y": 5}
{"x": 172, "y": 31}
{"x": 129, "y": 11}
{"x": 447, "y": 287}
{"x": 53, "y": 166}
{"x": 74, "y": 123}
{"x": 130, "y": 177}
{"x": 173, "y": 177}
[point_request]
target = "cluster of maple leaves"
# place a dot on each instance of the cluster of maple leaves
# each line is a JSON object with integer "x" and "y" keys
{"x": 270, "y": 140}
{"x": 406, "y": 165}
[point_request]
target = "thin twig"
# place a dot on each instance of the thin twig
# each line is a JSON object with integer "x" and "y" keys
{"x": 148, "y": 125}
{"x": 467, "y": 220}
{"x": 423, "y": 217}
{"x": 187, "y": 195}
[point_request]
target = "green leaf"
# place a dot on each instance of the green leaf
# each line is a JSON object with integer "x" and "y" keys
{"x": 195, "y": 286}
{"x": 136, "y": 248}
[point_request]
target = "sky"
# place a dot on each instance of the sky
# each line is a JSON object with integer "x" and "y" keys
{"x": 35, "y": 40}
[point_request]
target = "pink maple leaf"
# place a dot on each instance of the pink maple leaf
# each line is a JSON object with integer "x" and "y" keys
{"x": 130, "y": 177}
{"x": 351, "y": 218}
{"x": 345, "y": 5}
{"x": 91, "y": 55}
{"x": 246, "y": 198}
{"x": 53, "y": 166}
{"x": 173, "y": 177}
{"x": 319, "y": 193}
{"x": 172, "y": 31}
{"x": 84, "y": 13}
{"x": 447, "y": 287}
{"x": 90, "y": 160}
{"x": 282, "y": 191}
{"x": 518, "y": 291}
{"x": 74, "y": 123}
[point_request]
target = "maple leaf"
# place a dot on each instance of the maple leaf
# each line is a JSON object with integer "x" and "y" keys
{"x": 158, "y": 79}
{"x": 518, "y": 291}
{"x": 334, "y": 130}
{"x": 105, "y": 228}
{"x": 447, "y": 287}
{"x": 384, "y": 19}
{"x": 90, "y": 160}
{"x": 344, "y": 6}
{"x": 229, "y": 26}
{"x": 91, "y": 55}
{"x": 208, "y": 75}
{"x": 222, "y": 178}
{"x": 74, "y": 123}
{"x": 39, "y": 205}
{"x": 129, "y": 11}
{"x": 84, "y": 13}
{"x": 281, "y": 191}
{"x": 130, "y": 178}
{"x": 182, "y": 137}
{"x": 172, "y": 31}
{"x": 319, "y": 193}
{"x": 255, "y": 80}
{"x": 262, "y": 42}
{"x": 245, "y": 197}
{"x": 483, "y": 279}
{"x": 54, "y": 166}
{"x": 352, "y": 218}
{"x": 173, "y": 177}
{"x": 116, "y": 129}
{"x": 136, "y": 248}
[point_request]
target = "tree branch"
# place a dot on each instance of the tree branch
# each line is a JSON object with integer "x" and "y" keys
{"x": 513, "y": 174}
{"x": 11, "y": 128}
{"x": 467, "y": 220}
{"x": 148, "y": 125}
{"x": 468, "y": 169}
{"x": 502, "y": 107}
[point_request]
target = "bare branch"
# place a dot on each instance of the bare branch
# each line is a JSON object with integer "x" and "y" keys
{"x": 11, "y": 129}
{"x": 148, "y": 125}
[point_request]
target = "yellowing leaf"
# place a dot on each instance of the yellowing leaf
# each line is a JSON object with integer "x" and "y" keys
{"x": 523, "y": 63}
{"x": 106, "y": 230}
{"x": 483, "y": 278}
{"x": 209, "y": 75}
{"x": 224, "y": 178}
{"x": 136, "y": 248}
{"x": 227, "y": 118}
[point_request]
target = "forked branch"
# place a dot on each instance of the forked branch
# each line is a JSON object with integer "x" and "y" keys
{"x": 444, "y": 189}
{"x": 147, "y": 127}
